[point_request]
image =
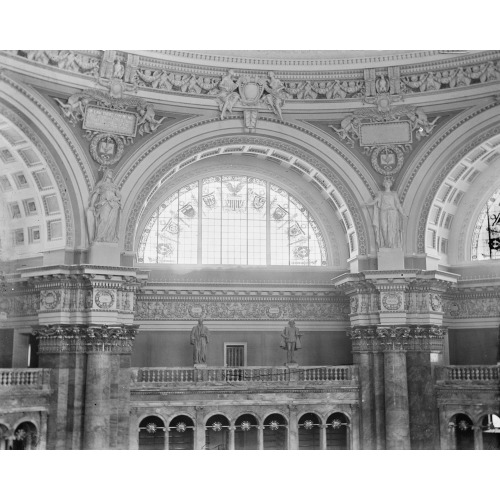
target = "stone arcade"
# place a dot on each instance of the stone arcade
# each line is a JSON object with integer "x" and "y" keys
{"x": 170, "y": 219}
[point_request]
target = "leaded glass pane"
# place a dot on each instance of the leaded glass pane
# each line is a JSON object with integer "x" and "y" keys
{"x": 211, "y": 207}
{"x": 238, "y": 220}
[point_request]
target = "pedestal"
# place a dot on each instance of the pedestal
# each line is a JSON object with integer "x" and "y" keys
{"x": 104, "y": 254}
{"x": 294, "y": 371}
{"x": 390, "y": 259}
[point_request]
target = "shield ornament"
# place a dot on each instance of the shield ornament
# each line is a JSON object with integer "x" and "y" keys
{"x": 258, "y": 201}
{"x": 209, "y": 200}
{"x": 295, "y": 230}
{"x": 251, "y": 89}
{"x": 279, "y": 213}
{"x": 188, "y": 210}
{"x": 171, "y": 226}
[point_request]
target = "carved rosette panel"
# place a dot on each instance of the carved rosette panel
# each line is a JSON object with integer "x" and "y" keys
{"x": 49, "y": 299}
{"x": 392, "y": 301}
{"x": 85, "y": 339}
{"x": 278, "y": 309}
{"x": 104, "y": 299}
{"x": 397, "y": 338}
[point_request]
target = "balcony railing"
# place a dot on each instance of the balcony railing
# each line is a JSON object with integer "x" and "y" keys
{"x": 478, "y": 373}
{"x": 247, "y": 374}
{"x": 13, "y": 378}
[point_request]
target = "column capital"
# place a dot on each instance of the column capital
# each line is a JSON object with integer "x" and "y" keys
{"x": 117, "y": 339}
{"x": 397, "y": 338}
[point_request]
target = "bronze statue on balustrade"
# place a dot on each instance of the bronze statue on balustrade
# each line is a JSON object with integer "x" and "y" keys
{"x": 199, "y": 340}
{"x": 290, "y": 341}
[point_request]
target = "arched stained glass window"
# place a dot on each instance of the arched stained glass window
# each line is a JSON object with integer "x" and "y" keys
{"x": 486, "y": 236}
{"x": 232, "y": 219}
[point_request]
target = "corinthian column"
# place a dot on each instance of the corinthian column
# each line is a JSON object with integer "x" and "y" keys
{"x": 397, "y": 417}
{"x": 101, "y": 344}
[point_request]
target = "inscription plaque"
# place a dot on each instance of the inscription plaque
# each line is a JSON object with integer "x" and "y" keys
{"x": 377, "y": 134}
{"x": 110, "y": 121}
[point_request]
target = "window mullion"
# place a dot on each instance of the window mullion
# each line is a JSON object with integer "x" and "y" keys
{"x": 221, "y": 222}
{"x": 199, "y": 254}
{"x": 268, "y": 224}
{"x": 157, "y": 232}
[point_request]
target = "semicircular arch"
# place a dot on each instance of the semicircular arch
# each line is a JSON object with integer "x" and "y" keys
{"x": 330, "y": 173}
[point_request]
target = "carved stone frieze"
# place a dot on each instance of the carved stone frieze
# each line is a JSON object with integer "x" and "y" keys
{"x": 83, "y": 338}
{"x": 168, "y": 76}
{"x": 472, "y": 304}
{"x": 68, "y": 60}
{"x": 67, "y": 293}
{"x": 397, "y": 338}
{"x": 239, "y": 308}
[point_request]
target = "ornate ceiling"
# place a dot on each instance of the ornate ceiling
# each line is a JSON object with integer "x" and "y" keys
{"x": 438, "y": 109}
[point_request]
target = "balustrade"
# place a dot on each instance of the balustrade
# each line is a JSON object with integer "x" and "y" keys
{"x": 247, "y": 374}
{"x": 480, "y": 373}
{"x": 32, "y": 377}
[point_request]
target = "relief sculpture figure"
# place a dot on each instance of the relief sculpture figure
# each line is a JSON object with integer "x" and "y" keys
{"x": 388, "y": 217}
{"x": 104, "y": 210}
{"x": 199, "y": 340}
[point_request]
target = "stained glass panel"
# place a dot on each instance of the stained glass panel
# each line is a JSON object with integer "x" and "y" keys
{"x": 237, "y": 220}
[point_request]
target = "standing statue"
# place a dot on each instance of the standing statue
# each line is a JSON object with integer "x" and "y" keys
{"x": 104, "y": 210}
{"x": 199, "y": 339}
{"x": 290, "y": 340}
{"x": 388, "y": 217}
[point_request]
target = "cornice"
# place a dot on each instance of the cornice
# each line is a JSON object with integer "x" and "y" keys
{"x": 190, "y": 63}
{"x": 261, "y": 389}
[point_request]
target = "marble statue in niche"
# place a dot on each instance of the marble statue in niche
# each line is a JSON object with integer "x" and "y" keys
{"x": 388, "y": 217}
{"x": 290, "y": 341}
{"x": 103, "y": 212}
{"x": 199, "y": 340}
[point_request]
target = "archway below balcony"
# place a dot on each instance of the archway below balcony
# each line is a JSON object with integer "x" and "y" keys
{"x": 217, "y": 433}
{"x": 181, "y": 433}
{"x": 246, "y": 433}
{"x": 309, "y": 432}
{"x": 462, "y": 432}
{"x": 490, "y": 425}
{"x": 152, "y": 433}
{"x": 275, "y": 432}
{"x": 337, "y": 432}
{"x": 25, "y": 436}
